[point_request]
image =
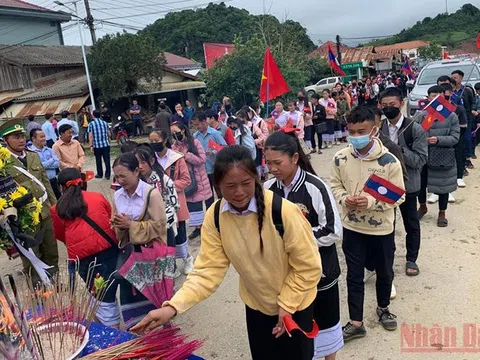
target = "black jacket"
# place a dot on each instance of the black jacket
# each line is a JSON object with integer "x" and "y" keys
{"x": 317, "y": 203}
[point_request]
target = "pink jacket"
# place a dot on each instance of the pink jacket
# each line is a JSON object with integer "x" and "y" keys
{"x": 204, "y": 191}
{"x": 181, "y": 179}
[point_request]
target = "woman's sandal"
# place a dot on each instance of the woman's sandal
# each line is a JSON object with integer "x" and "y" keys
{"x": 411, "y": 266}
{"x": 442, "y": 222}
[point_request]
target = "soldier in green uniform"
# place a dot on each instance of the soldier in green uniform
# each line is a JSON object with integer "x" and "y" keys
{"x": 27, "y": 171}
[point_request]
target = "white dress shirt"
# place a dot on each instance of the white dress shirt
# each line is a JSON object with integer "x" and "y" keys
{"x": 393, "y": 130}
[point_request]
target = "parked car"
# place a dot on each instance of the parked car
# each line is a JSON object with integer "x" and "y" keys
{"x": 432, "y": 71}
{"x": 327, "y": 83}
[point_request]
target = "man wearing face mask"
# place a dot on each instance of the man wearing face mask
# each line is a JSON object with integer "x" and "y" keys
{"x": 412, "y": 139}
{"x": 368, "y": 226}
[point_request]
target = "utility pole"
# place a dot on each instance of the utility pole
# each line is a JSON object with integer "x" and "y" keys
{"x": 446, "y": 7}
{"x": 339, "y": 50}
{"x": 89, "y": 21}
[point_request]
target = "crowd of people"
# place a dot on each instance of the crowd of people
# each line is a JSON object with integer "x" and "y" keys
{"x": 290, "y": 223}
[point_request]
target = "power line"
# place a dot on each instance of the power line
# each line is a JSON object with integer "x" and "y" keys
{"x": 164, "y": 11}
{"x": 146, "y": 5}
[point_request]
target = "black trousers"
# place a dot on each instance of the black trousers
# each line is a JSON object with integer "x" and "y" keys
{"x": 50, "y": 143}
{"x": 137, "y": 125}
{"x": 318, "y": 135}
{"x": 422, "y": 196}
{"x": 355, "y": 247}
{"x": 56, "y": 190}
{"x": 105, "y": 154}
{"x": 412, "y": 226}
{"x": 460, "y": 153}
{"x": 210, "y": 201}
{"x": 263, "y": 344}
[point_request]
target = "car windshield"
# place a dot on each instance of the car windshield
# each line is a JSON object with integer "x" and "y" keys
{"x": 430, "y": 75}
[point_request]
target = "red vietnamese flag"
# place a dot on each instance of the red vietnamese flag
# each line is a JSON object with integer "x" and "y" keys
{"x": 478, "y": 41}
{"x": 214, "y": 146}
{"x": 273, "y": 84}
{"x": 446, "y": 56}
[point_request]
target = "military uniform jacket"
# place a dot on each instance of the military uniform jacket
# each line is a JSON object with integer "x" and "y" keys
{"x": 35, "y": 168}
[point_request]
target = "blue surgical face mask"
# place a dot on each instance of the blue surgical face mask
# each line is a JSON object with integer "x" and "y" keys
{"x": 359, "y": 142}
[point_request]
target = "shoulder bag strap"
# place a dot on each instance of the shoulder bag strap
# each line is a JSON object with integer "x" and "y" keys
{"x": 148, "y": 201}
{"x": 99, "y": 230}
{"x": 216, "y": 215}
{"x": 277, "y": 213}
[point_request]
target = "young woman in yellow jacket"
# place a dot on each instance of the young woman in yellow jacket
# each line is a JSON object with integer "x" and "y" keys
{"x": 278, "y": 274}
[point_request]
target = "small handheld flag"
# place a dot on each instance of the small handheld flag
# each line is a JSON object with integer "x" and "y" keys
{"x": 333, "y": 62}
{"x": 407, "y": 69}
{"x": 446, "y": 56}
{"x": 383, "y": 190}
{"x": 478, "y": 40}
{"x": 291, "y": 325}
{"x": 422, "y": 104}
{"x": 438, "y": 109}
{"x": 214, "y": 146}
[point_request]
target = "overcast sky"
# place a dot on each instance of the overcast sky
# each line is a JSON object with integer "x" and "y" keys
{"x": 323, "y": 20}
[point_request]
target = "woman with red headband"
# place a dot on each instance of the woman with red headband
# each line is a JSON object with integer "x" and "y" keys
{"x": 81, "y": 220}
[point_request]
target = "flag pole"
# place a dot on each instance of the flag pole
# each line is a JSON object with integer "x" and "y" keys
{"x": 468, "y": 79}
{"x": 267, "y": 114}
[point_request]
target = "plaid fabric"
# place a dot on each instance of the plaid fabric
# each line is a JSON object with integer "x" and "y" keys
{"x": 99, "y": 128}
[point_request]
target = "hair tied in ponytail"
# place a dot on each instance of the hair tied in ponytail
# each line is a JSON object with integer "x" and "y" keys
{"x": 75, "y": 182}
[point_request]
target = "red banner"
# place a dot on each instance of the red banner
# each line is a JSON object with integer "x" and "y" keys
{"x": 216, "y": 51}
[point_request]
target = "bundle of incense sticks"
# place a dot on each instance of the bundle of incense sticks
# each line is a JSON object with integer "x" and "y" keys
{"x": 54, "y": 319}
{"x": 164, "y": 344}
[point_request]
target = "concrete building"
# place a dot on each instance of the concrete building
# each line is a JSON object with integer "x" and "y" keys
{"x": 24, "y": 23}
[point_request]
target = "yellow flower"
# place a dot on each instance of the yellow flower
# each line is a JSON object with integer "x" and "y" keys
{"x": 15, "y": 195}
{"x": 4, "y": 153}
{"x": 35, "y": 219}
{"x": 22, "y": 190}
{"x": 2, "y": 163}
{"x": 3, "y": 203}
{"x": 38, "y": 205}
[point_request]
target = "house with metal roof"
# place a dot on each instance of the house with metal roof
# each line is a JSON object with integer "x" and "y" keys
{"x": 25, "y": 23}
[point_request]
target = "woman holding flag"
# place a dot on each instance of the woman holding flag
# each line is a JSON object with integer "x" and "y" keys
{"x": 296, "y": 181}
{"x": 440, "y": 173}
{"x": 256, "y": 231}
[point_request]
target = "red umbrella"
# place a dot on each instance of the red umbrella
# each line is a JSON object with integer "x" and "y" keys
{"x": 151, "y": 271}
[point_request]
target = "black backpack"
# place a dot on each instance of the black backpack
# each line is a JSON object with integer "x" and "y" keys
{"x": 276, "y": 214}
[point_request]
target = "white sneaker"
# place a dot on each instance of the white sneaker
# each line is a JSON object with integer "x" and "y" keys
{"x": 188, "y": 265}
{"x": 451, "y": 199}
{"x": 393, "y": 293}
{"x": 329, "y": 145}
{"x": 461, "y": 183}
{"x": 432, "y": 199}
{"x": 368, "y": 275}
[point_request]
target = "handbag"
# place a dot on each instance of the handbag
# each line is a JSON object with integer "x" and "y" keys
{"x": 193, "y": 187}
{"x": 441, "y": 158}
{"x": 320, "y": 128}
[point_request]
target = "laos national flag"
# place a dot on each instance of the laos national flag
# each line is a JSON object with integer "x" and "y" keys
{"x": 333, "y": 62}
{"x": 439, "y": 109}
{"x": 383, "y": 190}
{"x": 407, "y": 69}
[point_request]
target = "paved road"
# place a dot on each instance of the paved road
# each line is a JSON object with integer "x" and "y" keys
{"x": 446, "y": 292}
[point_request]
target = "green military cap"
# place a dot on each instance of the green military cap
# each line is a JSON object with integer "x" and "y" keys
{"x": 11, "y": 126}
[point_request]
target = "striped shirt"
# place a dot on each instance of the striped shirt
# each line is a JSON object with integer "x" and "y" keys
{"x": 99, "y": 129}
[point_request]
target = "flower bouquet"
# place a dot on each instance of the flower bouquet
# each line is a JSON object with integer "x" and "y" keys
{"x": 19, "y": 210}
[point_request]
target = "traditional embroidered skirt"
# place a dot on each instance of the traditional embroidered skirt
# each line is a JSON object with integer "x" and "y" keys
{"x": 196, "y": 213}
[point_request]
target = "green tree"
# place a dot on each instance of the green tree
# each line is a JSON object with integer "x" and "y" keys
{"x": 184, "y": 32}
{"x": 119, "y": 62}
{"x": 432, "y": 52}
{"x": 238, "y": 75}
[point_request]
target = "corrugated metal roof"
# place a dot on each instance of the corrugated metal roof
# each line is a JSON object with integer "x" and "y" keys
{"x": 176, "y": 60}
{"x": 7, "y": 96}
{"x": 40, "y": 108}
{"x": 74, "y": 85}
{"x": 38, "y": 55}
{"x": 174, "y": 86}
{"x": 404, "y": 45}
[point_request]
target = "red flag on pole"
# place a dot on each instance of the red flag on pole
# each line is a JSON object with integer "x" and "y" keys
{"x": 446, "y": 56}
{"x": 273, "y": 83}
{"x": 478, "y": 41}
